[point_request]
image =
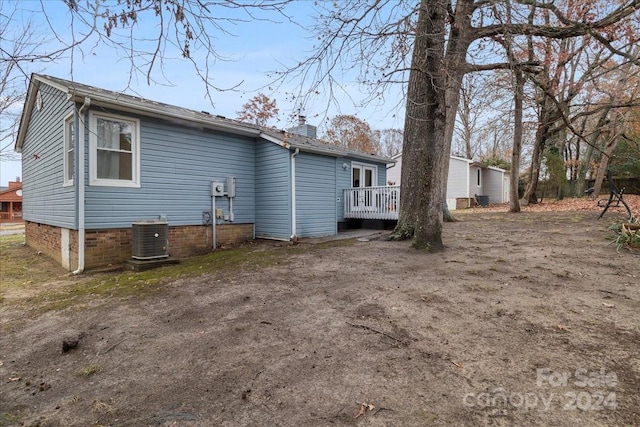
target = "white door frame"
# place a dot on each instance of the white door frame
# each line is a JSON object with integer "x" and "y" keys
{"x": 363, "y": 200}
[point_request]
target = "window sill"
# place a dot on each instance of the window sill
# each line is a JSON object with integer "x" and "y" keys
{"x": 113, "y": 183}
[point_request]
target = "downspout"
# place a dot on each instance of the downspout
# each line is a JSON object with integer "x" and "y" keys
{"x": 293, "y": 194}
{"x": 214, "y": 241}
{"x": 80, "y": 183}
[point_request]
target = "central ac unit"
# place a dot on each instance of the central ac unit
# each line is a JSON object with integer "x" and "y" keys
{"x": 149, "y": 239}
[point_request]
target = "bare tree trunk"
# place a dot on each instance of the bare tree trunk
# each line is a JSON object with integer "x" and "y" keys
{"x": 534, "y": 171}
{"x": 455, "y": 61}
{"x": 514, "y": 202}
{"x": 581, "y": 180}
{"x": 542, "y": 134}
{"x": 602, "y": 168}
{"x": 425, "y": 151}
{"x": 584, "y": 165}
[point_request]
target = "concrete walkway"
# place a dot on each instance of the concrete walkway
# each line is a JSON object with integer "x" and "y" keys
{"x": 360, "y": 234}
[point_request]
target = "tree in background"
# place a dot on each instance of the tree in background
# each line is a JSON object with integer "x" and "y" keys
{"x": 17, "y": 48}
{"x": 389, "y": 141}
{"x": 350, "y": 132}
{"x": 430, "y": 46}
{"x": 259, "y": 110}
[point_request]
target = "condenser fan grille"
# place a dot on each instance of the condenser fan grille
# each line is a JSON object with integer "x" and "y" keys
{"x": 149, "y": 240}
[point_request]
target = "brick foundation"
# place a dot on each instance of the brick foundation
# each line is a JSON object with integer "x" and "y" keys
{"x": 229, "y": 234}
{"x": 106, "y": 247}
{"x": 44, "y": 238}
{"x": 113, "y": 246}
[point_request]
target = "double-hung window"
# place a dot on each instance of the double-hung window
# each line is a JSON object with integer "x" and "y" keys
{"x": 69, "y": 148}
{"x": 114, "y": 143}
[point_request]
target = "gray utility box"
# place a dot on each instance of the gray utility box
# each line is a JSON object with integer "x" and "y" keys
{"x": 149, "y": 239}
{"x": 217, "y": 189}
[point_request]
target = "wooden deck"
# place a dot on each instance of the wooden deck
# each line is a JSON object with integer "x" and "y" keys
{"x": 372, "y": 202}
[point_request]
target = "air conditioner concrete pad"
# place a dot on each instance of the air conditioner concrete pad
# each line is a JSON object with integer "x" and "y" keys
{"x": 148, "y": 264}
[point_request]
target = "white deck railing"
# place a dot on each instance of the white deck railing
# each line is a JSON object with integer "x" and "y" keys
{"x": 372, "y": 202}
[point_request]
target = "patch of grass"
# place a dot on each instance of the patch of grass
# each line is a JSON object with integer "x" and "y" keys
{"x": 102, "y": 407}
{"x": 625, "y": 236}
{"x": 90, "y": 370}
{"x": 131, "y": 284}
{"x": 7, "y": 419}
{"x": 22, "y": 265}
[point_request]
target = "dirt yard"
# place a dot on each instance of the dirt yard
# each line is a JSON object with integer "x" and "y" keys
{"x": 528, "y": 319}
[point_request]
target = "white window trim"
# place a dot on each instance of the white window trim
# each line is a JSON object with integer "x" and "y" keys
{"x": 93, "y": 150}
{"x": 361, "y": 166}
{"x": 65, "y": 148}
{"x": 479, "y": 178}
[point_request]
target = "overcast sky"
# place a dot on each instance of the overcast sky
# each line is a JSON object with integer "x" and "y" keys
{"x": 255, "y": 48}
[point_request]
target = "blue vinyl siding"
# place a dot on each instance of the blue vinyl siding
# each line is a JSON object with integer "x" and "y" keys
{"x": 382, "y": 174}
{"x": 273, "y": 191}
{"x": 44, "y": 199}
{"x": 315, "y": 195}
{"x": 177, "y": 166}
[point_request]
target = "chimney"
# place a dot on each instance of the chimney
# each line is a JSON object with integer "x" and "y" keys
{"x": 302, "y": 120}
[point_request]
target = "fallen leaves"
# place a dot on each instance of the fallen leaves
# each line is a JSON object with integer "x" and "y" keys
{"x": 569, "y": 204}
{"x": 363, "y": 409}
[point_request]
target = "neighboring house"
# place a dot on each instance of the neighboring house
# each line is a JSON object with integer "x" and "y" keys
{"x": 95, "y": 161}
{"x": 467, "y": 179}
{"x": 11, "y": 202}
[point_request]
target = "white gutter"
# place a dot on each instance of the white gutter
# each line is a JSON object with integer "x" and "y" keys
{"x": 293, "y": 193}
{"x": 80, "y": 182}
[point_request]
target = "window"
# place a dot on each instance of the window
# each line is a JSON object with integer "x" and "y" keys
{"x": 479, "y": 178}
{"x": 114, "y": 150}
{"x": 69, "y": 148}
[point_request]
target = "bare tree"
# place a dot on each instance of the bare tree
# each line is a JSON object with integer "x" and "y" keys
{"x": 17, "y": 43}
{"x": 389, "y": 141}
{"x": 175, "y": 30}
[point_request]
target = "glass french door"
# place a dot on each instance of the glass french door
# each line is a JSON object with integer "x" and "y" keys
{"x": 362, "y": 178}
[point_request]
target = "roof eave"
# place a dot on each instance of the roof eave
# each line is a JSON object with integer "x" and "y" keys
{"x": 150, "y": 111}
{"x": 25, "y": 117}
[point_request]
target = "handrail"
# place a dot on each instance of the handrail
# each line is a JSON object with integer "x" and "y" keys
{"x": 372, "y": 202}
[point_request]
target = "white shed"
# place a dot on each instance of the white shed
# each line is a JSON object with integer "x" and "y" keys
{"x": 467, "y": 178}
